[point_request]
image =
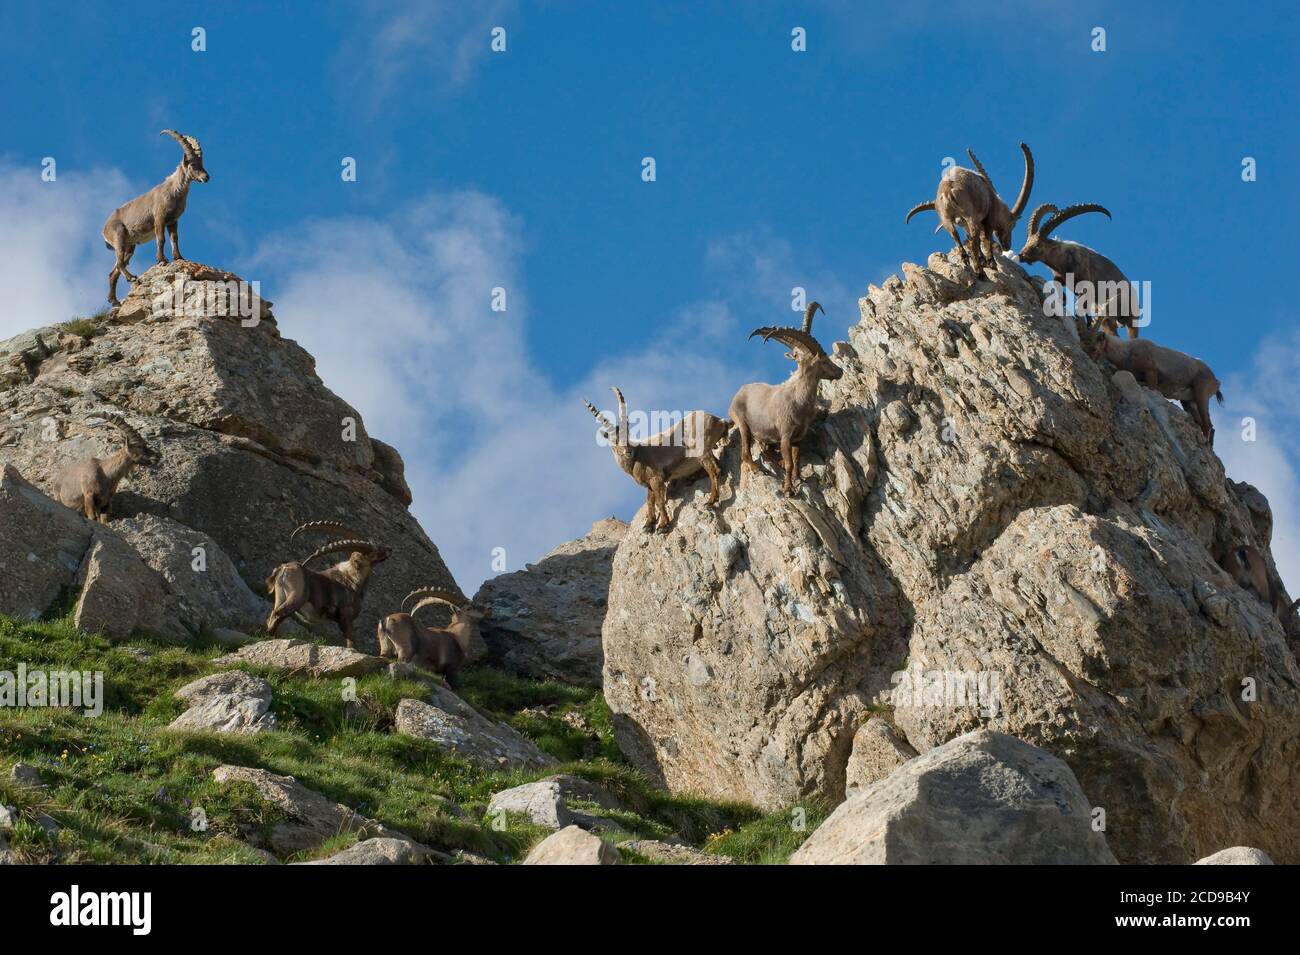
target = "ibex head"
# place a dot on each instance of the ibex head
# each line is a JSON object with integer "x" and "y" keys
{"x": 362, "y": 553}
{"x": 192, "y": 162}
{"x": 616, "y": 435}
{"x": 1001, "y": 219}
{"x": 138, "y": 451}
{"x": 1039, "y": 238}
{"x": 804, "y": 349}
{"x": 460, "y": 608}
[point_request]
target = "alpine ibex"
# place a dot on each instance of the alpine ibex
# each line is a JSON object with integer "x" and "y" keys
{"x": 90, "y": 485}
{"x": 1114, "y": 301}
{"x": 678, "y": 452}
{"x": 966, "y": 197}
{"x": 783, "y": 413}
{"x": 148, "y": 216}
{"x": 1172, "y": 373}
{"x": 442, "y": 650}
{"x": 335, "y": 593}
{"x": 1247, "y": 566}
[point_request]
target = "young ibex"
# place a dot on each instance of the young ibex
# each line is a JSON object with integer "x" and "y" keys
{"x": 1246, "y": 565}
{"x": 442, "y": 650}
{"x": 1114, "y": 302}
{"x": 148, "y": 216}
{"x": 90, "y": 485}
{"x": 673, "y": 454}
{"x": 1172, "y": 373}
{"x": 966, "y": 197}
{"x": 783, "y": 413}
{"x": 335, "y": 593}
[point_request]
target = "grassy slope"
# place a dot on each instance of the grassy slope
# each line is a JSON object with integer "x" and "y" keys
{"x": 123, "y": 787}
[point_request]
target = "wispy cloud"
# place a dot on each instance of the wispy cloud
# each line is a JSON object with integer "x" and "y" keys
{"x": 53, "y": 262}
{"x": 1272, "y": 461}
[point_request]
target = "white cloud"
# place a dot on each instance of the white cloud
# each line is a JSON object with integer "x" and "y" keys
{"x": 53, "y": 263}
{"x": 1271, "y": 462}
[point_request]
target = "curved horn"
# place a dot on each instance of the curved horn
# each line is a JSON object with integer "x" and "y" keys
{"x": 1023, "y": 199}
{"x": 333, "y": 547}
{"x": 1068, "y": 213}
{"x": 431, "y": 595}
{"x": 919, "y": 207}
{"x": 622, "y": 415}
{"x": 1036, "y": 216}
{"x": 324, "y": 526}
{"x": 979, "y": 166}
{"x": 791, "y": 337}
{"x": 188, "y": 143}
{"x": 604, "y": 422}
{"x": 808, "y": 316}
{"x": 119, "y": 422}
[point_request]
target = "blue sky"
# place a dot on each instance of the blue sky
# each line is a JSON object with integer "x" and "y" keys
{"x": 522, "y": 169}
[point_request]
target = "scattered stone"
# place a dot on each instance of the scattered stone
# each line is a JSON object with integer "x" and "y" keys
{"x": 378, "y": 851}
{"x": 303, "y": 658}
{"x": 228, "y": 702}
{"x": 983, "y": 798}
{"x": 1237, "y": 855}
{"x": 27, "y": 775}
{"x": 453, "y": 724}
{"x": 878, "y": 750}
{"x": 573, "y": 846}
{"x": 313, "y": 818}
{"x": 8, "y": 819}
{"x": 546, "y": 620}
{"x": 667, "y": 853}
{"x": 541, "y": 802}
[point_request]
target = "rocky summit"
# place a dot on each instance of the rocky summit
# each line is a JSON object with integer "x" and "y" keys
{"x": 251, "y": 442}
{"x": 995, "y": 531}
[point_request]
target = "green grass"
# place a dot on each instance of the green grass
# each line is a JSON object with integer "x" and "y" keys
{"x": 126, "y": 789}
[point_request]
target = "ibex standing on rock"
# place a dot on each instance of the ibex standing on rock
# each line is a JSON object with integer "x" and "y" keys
{"x": 675, "y": 453}
{"x": 966, "y": 197}
{"x": 1079, "y": 268}
{"x": 89, "y": 486}
{"x": 335, "y": 593}
{"x": 783, "y": 413}
{"x": 442, "y": 650}
{"x": 1172, "y": 373}
{"x": 1247, "y": 567}
{"x": 148, "y": 216}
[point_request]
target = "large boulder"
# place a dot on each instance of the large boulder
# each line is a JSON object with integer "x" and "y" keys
{"x": 451, "y": 723}
{"x": 878, "y": 750}
{"x": 304, "y": 658}
{"x": 573, "y": 846}
{"x": 42, "y": 545}
{"x": 252, "y": 443}
{"x": 228, "y": 702}
{"x": 1237, "y": 855}
{"x": 121, "y": 595}
{"x": 546, "y": 619}
{"x": 994, "y": 530}
{"x": 983, "y": 798}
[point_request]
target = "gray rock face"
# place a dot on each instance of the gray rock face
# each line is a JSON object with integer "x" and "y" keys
{"x": 252, "y": 443}
{"x": 304, "y": 658}
{"x": 230, "y": 702}
{"x": 541, "y": 802}
{"x": 453, "y": 724}
{"x": 878, "y": 750}
{"x": 122, "y": 595}
{"x": 573, "y": 846}
{"x": 983, "y": 798}
{"x": 377, "y": 851}
{"x": 42, "y": 544}
{"x": 984, "y": 508}
{"x": 1237, "y": 855}
{"x": 546, "y": 620}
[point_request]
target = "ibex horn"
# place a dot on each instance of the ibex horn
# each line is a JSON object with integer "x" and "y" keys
{"x": 792, "y": 337}
{"x": 324, "y": 526}
{"x": 188, "y": 143}
{"x": 366, "y": 547}
{"x": 600, "y": 417}
{"x": 431, "y": 595}
{"x": 979, "y": 166}
{"x": 1026, "y": 186}
{"x": 1069, "y": 212}
{"x": 1036, "y": 216}
{"x": 919, "y": 207}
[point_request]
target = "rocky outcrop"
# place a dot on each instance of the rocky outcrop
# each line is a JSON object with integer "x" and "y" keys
{"x": 230, "y": 702}
{"x": 983, "y": 798}
{"x": 668, "y": 853}
{"x": 573, "y": 846}
{"x": 877, "y": 751}
{"x": 252, "y": 444}
{"x": 451, "y": 723}
{"x": 546, "y": 619}
{"x": 377, "y": 851}
{"x": 547, "y": 803}
{"x": 1237, "y": 855}
{"x": 994, "y": 530}
{"x": 304, "y": 658}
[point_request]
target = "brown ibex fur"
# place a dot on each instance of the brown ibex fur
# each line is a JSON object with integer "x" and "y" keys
{"x": 1247, "y": 566}
{"x": 150, "y": 215}
{"x": 782, "y": 414}
{"x": 967, "y": 198}
{"x": 1172, "y": 373}
{"x": 335, "y": 593}
{"x": 440, "y": 649}
{"x": 90, "y": 485}
{"x": 1079, "y": 268}
{"x": 676, "y": 453}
